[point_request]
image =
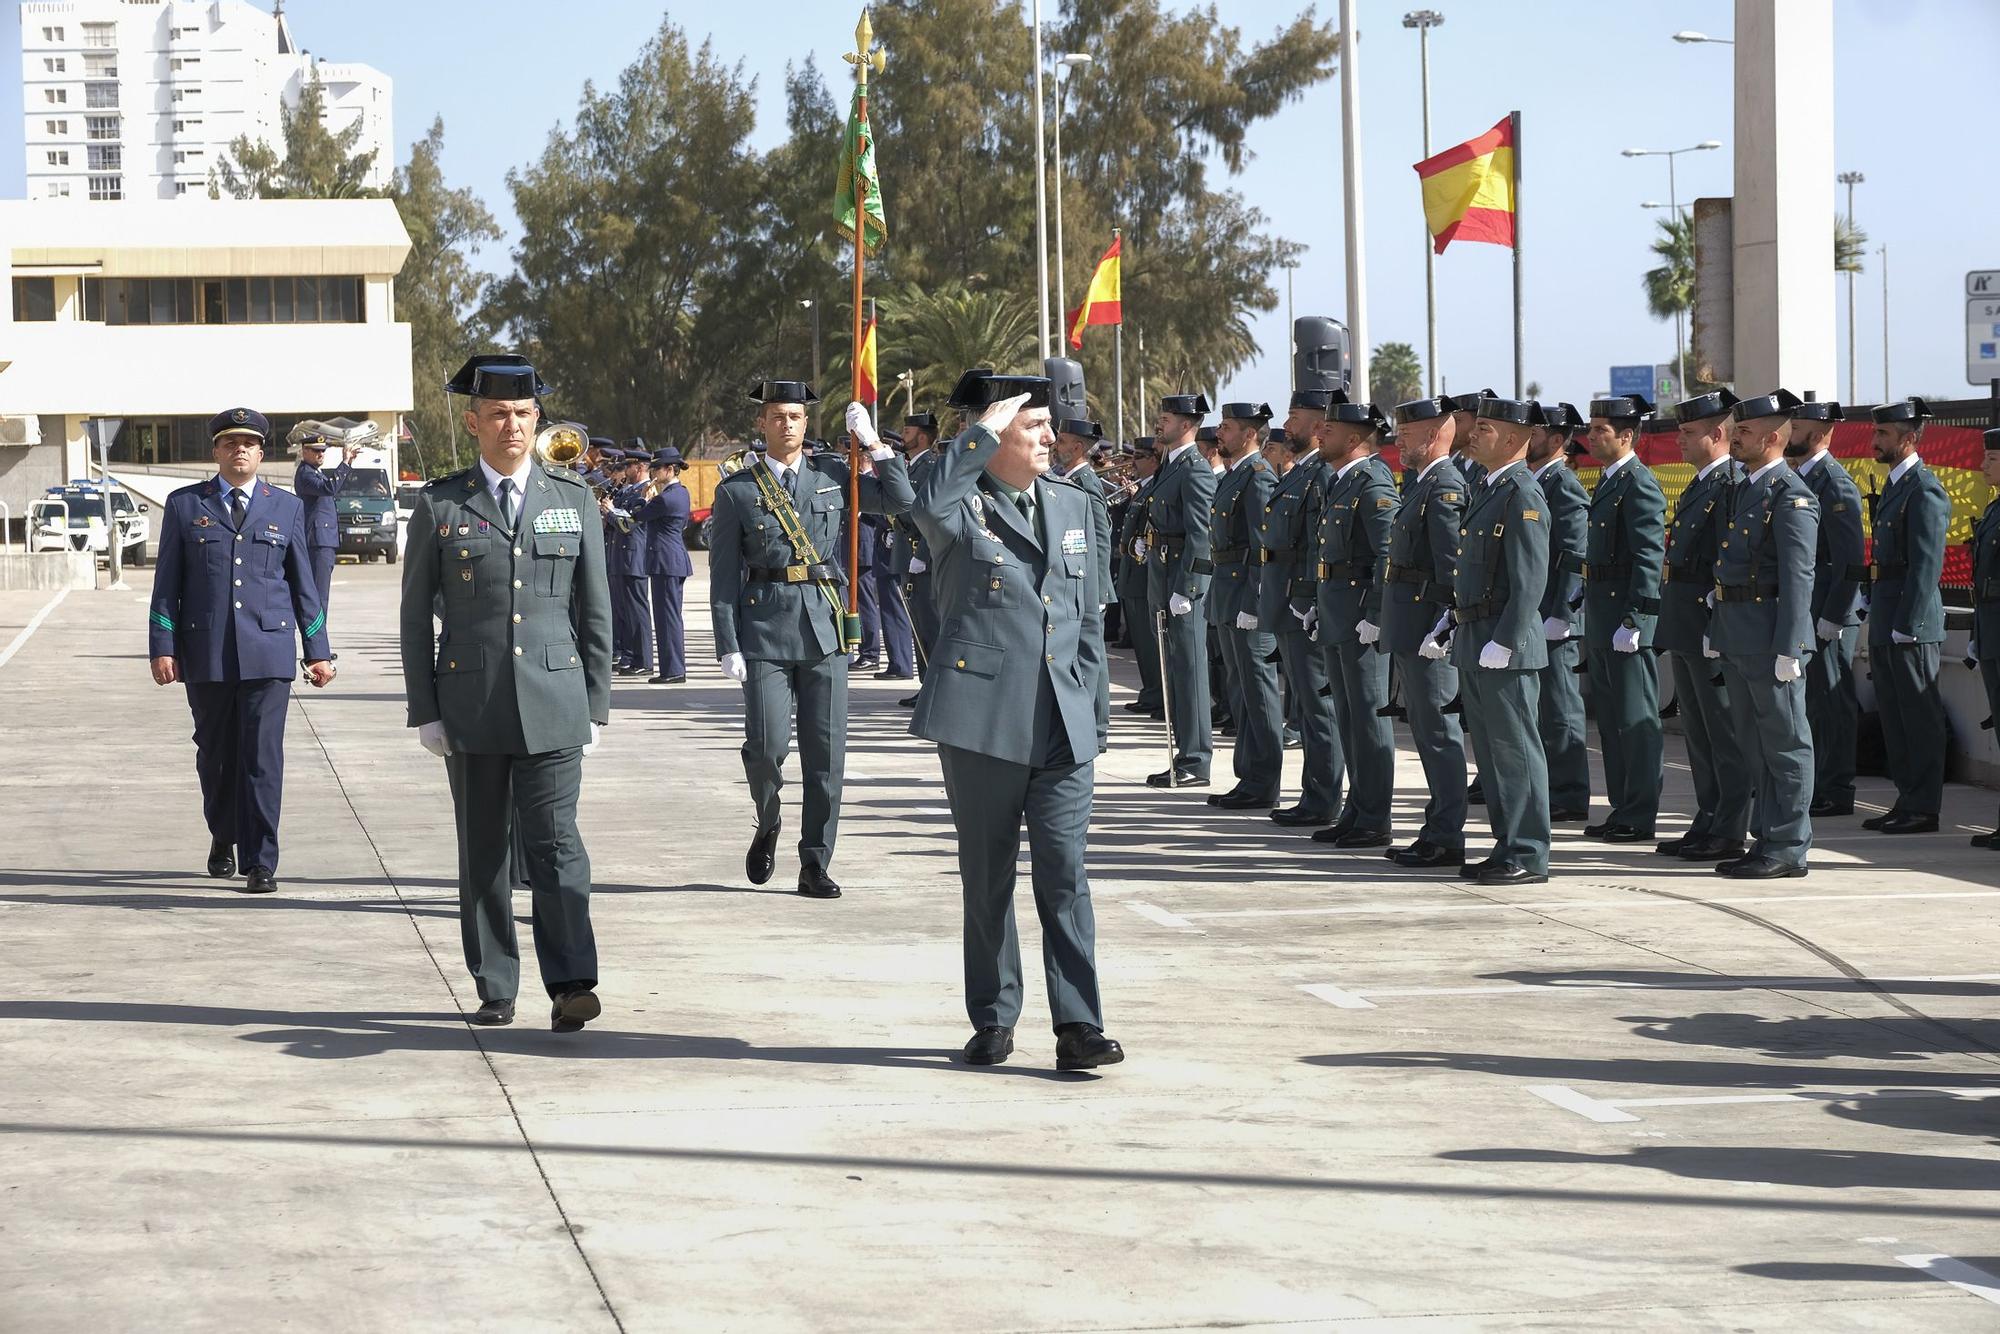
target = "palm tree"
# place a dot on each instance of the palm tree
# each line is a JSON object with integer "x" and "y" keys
{"x": 1670, "y": 288}
{"x": 1395, "y": 374}
{"x": 938, "y": 335}
{"x": 1850, "y": 243}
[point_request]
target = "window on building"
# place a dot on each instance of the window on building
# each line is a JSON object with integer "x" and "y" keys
{"x": 100, "y": 34}
{"x": 188, "y": 94}
{"x": 101, "y": 127}
{"x": 59, "y": 189}
{"x": 264, "y": 300}
{"x": 100, "y": 96}
{"x": 52, "y": 35}
{"x": 107, "y": 157}
{"x": 180, "y": 187}
{"x": 101, "y": 66}
{"x": 56, "y": 126}
{"x": 59, "y": 158}
{"x": 107, "y": 187}
{"x": 54, "y": 65}
{"x": 56, "y": 96}
{"x": 34, "y": 300}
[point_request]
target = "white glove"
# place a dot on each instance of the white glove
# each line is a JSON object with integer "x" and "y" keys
{"x": 917, "y": 565}
{"x": 1139, "y": 550}
{"x": 591, "y": 744}
{"x": 863, "y": 430}
{"x": 1555, "y": 629}
{"x": 735, "y": 668}
{"x": 432, "y": 738}
{"x": 1828, "y": 631}
{"x": 1246, "y": 620}
{"x": 1307, "y": 618}
{"x": 1788, "y": 669}
{"x": 1442, "y": 630}
{"x": 1495, "y": 656}
{"x": 1367, "y": 631}
{"x": 1898, "y": 637}
{"x": 1710, "y": 599}
{"x": 1178, "y": 605}
{"x": 1432, "y": 649}
{"x": 1625, "y": 639}
{"x": 1706, "y": 650}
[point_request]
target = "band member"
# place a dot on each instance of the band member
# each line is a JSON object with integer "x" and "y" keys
{"x": 1179, "y": 507}
{"x": 630, "y": 579}
{"x": 512, "y": 688}
{"x": 316, "y": 485}
{"x": 1012, "y": 706}
{"x": 1839, "y": 569}
{"x": 776, "y": 602}
{"x": 1561, "y": 705}
{"x": 234, "y": 587}
{"x": 664, "y": 511}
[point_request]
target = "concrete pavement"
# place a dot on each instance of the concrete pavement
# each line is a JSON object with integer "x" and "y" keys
{"x": 1637, "y": 1096}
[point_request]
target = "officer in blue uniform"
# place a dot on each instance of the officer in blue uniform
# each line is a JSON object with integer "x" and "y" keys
{"x": 233, "y": 591}
{"x": 629, "y": 574}
{"x": 1561, "y": 706}
{"x": 1179, "y": 507}
{"x": 663, "y": 513}
{"x": 1839, "y": 570}
{"x": 1906, "y": 619}
{"x": 316, "y": 485}
{"x": 606, "y": 481}
{"x": 1985, "y": 647}
{"x": 1288, "y": 601}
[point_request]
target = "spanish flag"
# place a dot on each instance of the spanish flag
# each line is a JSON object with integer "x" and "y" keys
{"x": 1101, "y": 301}
{"x": 867, "y": 394}
{"x": 1469, "y": 189}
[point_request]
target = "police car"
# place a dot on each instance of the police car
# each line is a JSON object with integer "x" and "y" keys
{"x": 71, "y": 517}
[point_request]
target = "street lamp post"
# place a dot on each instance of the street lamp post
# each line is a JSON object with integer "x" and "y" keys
{"x": 1041, "y": 201}
{"x": 1850, "y": 179}
{"x": 813, "y": 308}
{"x": 1068, "y": 61}
{"x": 1687, "y": 37}
{"x": 1423, "y": 20}
{"x": 1674, "y": 203}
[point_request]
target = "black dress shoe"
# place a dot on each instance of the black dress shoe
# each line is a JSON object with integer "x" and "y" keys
{"x": 1624, "y": 833}
{"x": 864, "y": 664}
{"x": 1823, "y": 810}
{"x": 1473, "y": 870}
{"x": 1510, "y": 873}
{"x": 1877, "y": 821}
{"x": 908, "y": 701}
{"x": 1176, "y": 778}
{"x": 990, "y": 1046}
{"x": 494, "y": 1013}
{"x": 1711, "y": 850}
{"x": 1475, "y": 792}
{"x": 572, "y": 1009}
{"x": 667, "y": 681}
{"x": 1363, "y": 838}
{"x": 1298, "y": 817}
{"x": 891, "y": 674}
{"x": 1569, "y": 815}
{"x": 1759, "y": 867}
{"x": 633, "y": 671}
{"x": 1244, "y": 801}
{"x": 260, "y": 881}
{"x": 1293, "y": 740}
{"x": 1672, "y": 847}
{"x": 762, "y": 858}
{"x": 1084, "y": 1047}
{"x": 1909, "y": 822}
{"x": 1338, "y": 830}
{"x": 815, "y": 883}
{"x": 221, "y": 859}
{"x": 1424, "y": 855}
{"x": 1134, "y": 706}
{"x": 1991, "y": 840}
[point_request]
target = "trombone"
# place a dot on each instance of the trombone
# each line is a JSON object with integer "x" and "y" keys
{"x": 561, "y": 445}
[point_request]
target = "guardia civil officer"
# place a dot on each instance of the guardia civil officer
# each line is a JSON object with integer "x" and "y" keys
{"x": 1133, "y": 570}
{"x": 1012, "y": 705}
{"x": 1985, "y": 646}
{"x": 775, "y": 598}
{"x": 1355, "y": 518}
{"x": 908, "y": 560}
{"x": 1076, "y": 440}
{"x": 664, "y": 510}
{"x": 316, "y": 485}
{"x": 1179, "y": 507}
{"x": 1464, "y": 409}
{"x": 233, "y": 591}
{"x": 1288, "y": 600}
{"x": 1248, "y": 645}
{"x": 1417, "y": 593}
{"x": 1621, "y": 604}
{"x": 1494, "y": 634}
{"x": 1716, "y": 749}
{"x": 1906, "y": 619}
{"x": 1839, "y": 569}
{"x": 1561, "y": 704}
{"x": 512, "y": 686}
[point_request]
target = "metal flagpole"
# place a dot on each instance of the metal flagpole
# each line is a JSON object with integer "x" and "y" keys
{"x": 864, "y": 34}
{"x": 875, "y": 408}
{"x": 1350, "y": 166}
{"x": 1514, "y": 122}
{"x": 1041, "y": 204}
{"x": 1118, "y": 337}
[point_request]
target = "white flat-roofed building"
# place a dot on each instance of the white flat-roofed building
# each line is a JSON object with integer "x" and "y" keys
{"x": 140, "y": 99}
{"x": 163, "y": 313}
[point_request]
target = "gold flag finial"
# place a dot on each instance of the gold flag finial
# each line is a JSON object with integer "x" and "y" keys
{"x": 866, "y": 55}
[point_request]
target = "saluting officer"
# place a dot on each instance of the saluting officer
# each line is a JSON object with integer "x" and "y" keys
{"x": 1178, "y": 510}
{"x": 1133, "y": 575}
{"x": 664, "y": 512}
{"x": 1258, "y": 758}
{"x": 1288, "y": 602}
{"x": 1621, "y": 602}
{"x": 1417, "y": 593}
{"x": 1839, "y": 568}
{"x": 1355, "y": 518}
{"x": 1495, "y": 637}
{"x": 316, "y": 485}
{"x": 1012, "y": 706}
{"x": 512, "y": 688}
{"x": 1985, "y": 647}
{"x": 1561, "y": 714}
{"x": 1723, "y": 776}
{"x": 233, "y": 589}
{"x": 908, "y": 560}
{"x": 774, "y": 595}
{"x": 1763, "y": 628}
{"x": 1076, "y": 439}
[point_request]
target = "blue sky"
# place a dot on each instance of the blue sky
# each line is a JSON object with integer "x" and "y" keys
{"x": 1912, "y": 110}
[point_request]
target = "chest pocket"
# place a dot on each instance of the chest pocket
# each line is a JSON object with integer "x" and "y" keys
{"x": 208, "y": 547}
{"x": 993, "y": 586}
{"x": 555, "y": 562}
{"x": 1605, "y": 523}
{"x": 458, "y": 562}
{"x": 269, "y": 547}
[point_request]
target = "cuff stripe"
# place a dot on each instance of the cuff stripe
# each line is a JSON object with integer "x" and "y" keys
{"x": 314, "y": 628}
{"x": 162, "y": 620}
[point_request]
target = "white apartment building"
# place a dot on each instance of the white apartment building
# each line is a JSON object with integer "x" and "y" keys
{"x": 140, "y": 99}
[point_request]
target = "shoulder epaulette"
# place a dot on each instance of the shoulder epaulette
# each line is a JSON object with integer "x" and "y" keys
{"x": 1062, "y": 481}
{"x": 565, "y": 475}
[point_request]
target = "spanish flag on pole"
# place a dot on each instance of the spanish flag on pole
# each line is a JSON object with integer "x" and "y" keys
{"x": 1469, "y": 189}
{"x": 867, "y": 394}
{"x": 1101, "y": 301}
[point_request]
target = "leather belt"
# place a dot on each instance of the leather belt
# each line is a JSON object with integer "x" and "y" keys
{"x": 1490, "y": 607}
{"x": 1745, "y": 592}
{"x": 1687, "y": 576}
{"x": 1888, "y": 571}
{"x": 1403, "y": 574}
{"x": 1345, "y": 569}
{"x": 1230, "y": 555}
{"x": 1265, "y": 555}
{"x": 1621, "y": 570}
{"x": 795, "y": 574}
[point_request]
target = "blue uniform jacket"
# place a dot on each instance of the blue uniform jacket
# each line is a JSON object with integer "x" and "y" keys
{"x": 665, "y": 519}
{"x": 230, "y": 605}
{"x": 627, "y": 551}
{"x": 316, "y": 487}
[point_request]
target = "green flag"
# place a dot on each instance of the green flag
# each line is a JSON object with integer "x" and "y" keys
{"x": 857, "y": 164}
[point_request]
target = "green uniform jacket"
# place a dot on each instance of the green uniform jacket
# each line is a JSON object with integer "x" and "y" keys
{"x": 1911, "y": 519}
{"x": 1354, "y": 525}
{"x": 522, "y": 665}
{"x": 1986, "y": 584}
{"x": 1569, "y": 520}
{"x": 1622, "y": 555}
{"x": 1423, "y": 545}
{"x": 905, "y": 541}
{"x": 1178, "y": 511}
{"x": 1085, "y": 479}
{"x": 1694, "y": 536}
{"x": 1240, "y": 497}
{"x": 1839, "y": 566}
{"x": 775, "y": 621}
{"x": 1131, "y": 570}
{"x": 1503, "y": 566}
{"x": 1764, "y": 569}
{"x": 1017, "y": 608}
{"x": 1286, "y": 535}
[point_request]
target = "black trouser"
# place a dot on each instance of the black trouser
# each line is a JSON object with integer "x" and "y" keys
{"x": 239, "y": 754}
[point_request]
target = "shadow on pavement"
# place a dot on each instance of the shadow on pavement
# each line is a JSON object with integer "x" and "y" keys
{"x": 1669, "y": 981}
{"x": 1827, "y": 1169}
{"x": 1678, "y": 1074}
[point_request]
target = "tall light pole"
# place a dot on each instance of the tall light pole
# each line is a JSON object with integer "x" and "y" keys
{"x": 1423, "y": 20}
{"x": 1041, "y": 200}
{"x": 1350, "y": 170}
{"x": 1850, "y": 179}
{"x": 1885, "y": 321}
{"x": 1674, "y": 203}
{"x": 1066, "y": 62}
{"x": 1687, "y": 37}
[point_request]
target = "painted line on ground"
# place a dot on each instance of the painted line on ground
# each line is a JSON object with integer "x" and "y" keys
{"x": 1957, "y": 1273}
{"x": 34, "y": 624}
{"x": 1555, "y": 905}
{"x": 1161, "y": 917}
{"x": 1364, "y": 998}
{"x": 1612, "y": 1111}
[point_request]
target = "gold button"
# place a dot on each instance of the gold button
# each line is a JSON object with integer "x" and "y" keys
{"x": 453, "y": 664}
{"x": 239, "y": 537}
{"x": 517, "y": 618}
{"x": 572, "y": 657}
{"x": 961, "y": 662}
{"x": 517, "y": 650}
{"x": 1048, "y": 629}
{"x": 1045, "y": 597}
{"x": 517, "y": 551}
{"x": 517, "y": 583}
{"x": 1048, "y": 657}
{"x": 996, "y": 583}
{"x": 463, "y": 552}
{"x": 239, "y": 583}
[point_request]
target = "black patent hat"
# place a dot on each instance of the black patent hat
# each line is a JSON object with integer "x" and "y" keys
{"x": 783, "y": 391}
{"x": 503, "y": 376}
{"x": 1777, "y": 403}
{"x": 1701, "y": 407}
{"x": 1622, "y": 408}
{"x": 981, "y": 388}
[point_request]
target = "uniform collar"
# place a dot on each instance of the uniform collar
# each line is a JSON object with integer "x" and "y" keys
{"x": 1764, "y": 471}
{"x": 1805, "y": 469}
{"x": 1896, "y": 473}
{"x": 492, "y": 476}
{"x": 1705, "y": 471}
{"x": 1431, "y": 467}
{"x": 1612, "y": 469}
{"x": 1557, "y": 462}
{"x": 1246, "y": 456}
{"x": 1351, "y": 465}
{"x": 1503, "y": 470}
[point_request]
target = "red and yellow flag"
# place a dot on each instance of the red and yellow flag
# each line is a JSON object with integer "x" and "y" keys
{"x": 1469, "y": 189}
{"x": 1101, "y": 301}
{"x": 867, "y": 394}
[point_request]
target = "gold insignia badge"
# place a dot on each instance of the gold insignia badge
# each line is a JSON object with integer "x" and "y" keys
{"x": 1532, "y": 516}
{"x": 1800, "y": 502}
{"x": 239, "y": 416}
{"x": 1450, "y": 497}
{"x": 1384, "y": 503}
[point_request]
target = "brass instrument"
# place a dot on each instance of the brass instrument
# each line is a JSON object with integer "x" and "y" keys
{"x": 343, "y": 433}
{"x": 559, "y": 444}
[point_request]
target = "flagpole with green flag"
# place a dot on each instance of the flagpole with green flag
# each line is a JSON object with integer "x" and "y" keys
{"x": 857, "y": 207}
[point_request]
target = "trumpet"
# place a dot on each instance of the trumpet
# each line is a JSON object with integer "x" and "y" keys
{"x": 559, "y": 444}
{"x": 1118, "y": 482}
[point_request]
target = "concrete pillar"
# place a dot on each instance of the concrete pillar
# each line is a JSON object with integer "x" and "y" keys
{"x": 1784, "y": 307}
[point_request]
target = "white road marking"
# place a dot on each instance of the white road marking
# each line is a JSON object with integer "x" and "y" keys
{"x": 1363, "y": 998}
{"x": 1553, "y": 905}
{"x": 1591, "y": 1109}
{"x": 1332, "y": 995}
{"x": 1610, "y": 1110}
{"x": 34, "y": 624}
{"x": 1161, "y": 917}
{"x": 1957, "y": 1273}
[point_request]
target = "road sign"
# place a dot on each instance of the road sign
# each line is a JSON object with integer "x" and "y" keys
{"x": 1632, "y": 380}
{"x": 1982, "y": 339}
{"x": 1983, "y": 282}
{"x": 1666, "y": 387}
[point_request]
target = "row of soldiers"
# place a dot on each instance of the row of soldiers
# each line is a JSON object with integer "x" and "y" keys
{"x": 645, "y": 510}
